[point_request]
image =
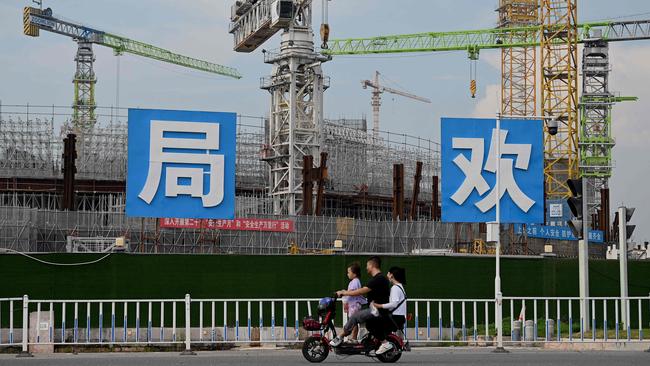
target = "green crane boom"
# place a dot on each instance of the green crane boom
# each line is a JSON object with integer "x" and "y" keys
{"x": 84, "y": 80}
{"x": 36, "y": 19}
{"x": 474, "y": 40}
{"x": 122, "y": 44}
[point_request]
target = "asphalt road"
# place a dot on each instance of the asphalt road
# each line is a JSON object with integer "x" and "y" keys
{"x": 292, "y": 357}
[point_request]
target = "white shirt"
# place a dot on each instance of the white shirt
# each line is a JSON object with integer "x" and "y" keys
{"x": 397, "y": 294}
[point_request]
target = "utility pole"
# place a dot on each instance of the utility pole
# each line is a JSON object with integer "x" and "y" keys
{"x": 623, "y": 216}
{"x": 583, "y": 258}
{"x": 498, "y": 295}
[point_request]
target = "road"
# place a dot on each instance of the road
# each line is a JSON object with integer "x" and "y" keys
{"x": 437, "y": 356}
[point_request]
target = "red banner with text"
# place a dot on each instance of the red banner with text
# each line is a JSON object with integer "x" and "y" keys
{"x": 280, "y": 226}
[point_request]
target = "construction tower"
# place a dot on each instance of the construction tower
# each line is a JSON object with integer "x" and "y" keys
{"x": 518, "y": 64}
{"x": 559, "y": 69}
{"x": 596, "y": 141}
{"x": 83, "y": 107}
{"x": 296, "y": 86}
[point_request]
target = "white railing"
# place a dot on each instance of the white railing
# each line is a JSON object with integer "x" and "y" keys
{"x": 9, "y": 307}
{"x": 202, "y": 322}
{"x": 561, "y": 319}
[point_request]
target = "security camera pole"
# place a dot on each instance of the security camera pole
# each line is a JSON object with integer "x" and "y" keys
{"x": 551, "y": 125}
{"x": 580, "y": 226}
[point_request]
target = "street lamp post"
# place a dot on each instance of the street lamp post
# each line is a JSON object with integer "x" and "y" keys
{"x": 498, "y": 318}
{"x": 552, "y": 126}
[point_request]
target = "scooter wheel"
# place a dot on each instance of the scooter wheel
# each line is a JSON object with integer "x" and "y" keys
{"x": 391, "y": 356}
{"x": 315, "y": 350}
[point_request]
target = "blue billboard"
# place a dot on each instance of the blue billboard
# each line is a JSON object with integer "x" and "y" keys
{"x": 181, "y": 164}
{"x": 556, "y": 233}
{"x": 469, "y": 164}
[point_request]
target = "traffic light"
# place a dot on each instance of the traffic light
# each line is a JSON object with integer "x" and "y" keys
{"x": 576, "y": 223}
{"x": 629, "y": 229}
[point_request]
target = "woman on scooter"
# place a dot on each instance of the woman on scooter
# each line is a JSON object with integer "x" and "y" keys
{"x": 396, "y": 305}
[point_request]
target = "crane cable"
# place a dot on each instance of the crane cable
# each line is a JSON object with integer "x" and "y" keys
{"x": 472, "y": 55}
{"x": 473, "y": 74}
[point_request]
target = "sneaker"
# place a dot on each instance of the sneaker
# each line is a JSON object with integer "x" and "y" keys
{"x": 407, "y": 346}
{"x": 336, "y": 342}
{"x": 385, "y": 347}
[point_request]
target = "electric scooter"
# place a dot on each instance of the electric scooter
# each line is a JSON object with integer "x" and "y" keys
{"x": 316, "y": 348}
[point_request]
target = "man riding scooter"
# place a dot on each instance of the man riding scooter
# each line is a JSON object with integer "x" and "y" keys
{"x": 377, "y": 290}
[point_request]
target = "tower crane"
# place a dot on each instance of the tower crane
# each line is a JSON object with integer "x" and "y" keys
{"x": 296, "y": 86}
{"x": 35, "y": 20}
{"x": 563, "y": 154}
{"x": 377, "y": 90}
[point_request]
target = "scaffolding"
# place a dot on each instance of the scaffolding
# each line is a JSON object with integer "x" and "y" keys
{"x": 33, "y": 230}
{"x": 360, "y": 163}
{"x": 32, "y": 144}
{"x": 559, "y": 69}
{"x": 518, "y": 64}
{"x": 357, "y": 207}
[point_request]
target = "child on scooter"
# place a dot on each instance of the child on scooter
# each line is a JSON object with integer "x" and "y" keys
{"x": 352, "y": 304}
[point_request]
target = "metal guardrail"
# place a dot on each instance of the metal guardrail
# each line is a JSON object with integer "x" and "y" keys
{"x": 25, "y": 322}
{"x": 12, "y": 304}
{"x": 562, "y": 320}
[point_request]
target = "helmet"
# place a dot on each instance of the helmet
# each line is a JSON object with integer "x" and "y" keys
{"x": 325, "y": 304}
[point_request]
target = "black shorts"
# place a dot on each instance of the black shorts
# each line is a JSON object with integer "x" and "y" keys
{"x": 399, "y": 320}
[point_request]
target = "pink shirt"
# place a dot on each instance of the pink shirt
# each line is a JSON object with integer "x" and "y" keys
{"x": 355, "y": 284}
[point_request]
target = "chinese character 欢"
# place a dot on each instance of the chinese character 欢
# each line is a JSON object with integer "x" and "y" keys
{"x": 506, "y": 173}
{"x": 473, "y": 168}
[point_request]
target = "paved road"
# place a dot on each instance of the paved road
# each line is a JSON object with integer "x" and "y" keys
{"x": 291, "y": 357}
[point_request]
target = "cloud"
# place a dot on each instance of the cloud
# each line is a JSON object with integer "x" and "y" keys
{"x": 632, "y": 132}
{"x": 488, "y": 102}
{"x": 492, "y": 59}
{"x": 629, "y": 77}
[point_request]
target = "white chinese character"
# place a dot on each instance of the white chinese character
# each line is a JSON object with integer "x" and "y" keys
{"x": 506, "y": 174}
{"x": 157, "y": 156}
{"x": 471, "y": 168}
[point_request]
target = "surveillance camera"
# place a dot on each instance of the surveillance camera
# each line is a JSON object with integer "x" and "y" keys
{"x": 551, "y": 125}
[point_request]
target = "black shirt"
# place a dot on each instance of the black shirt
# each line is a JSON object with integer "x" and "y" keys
{"x": 379, "y": 289}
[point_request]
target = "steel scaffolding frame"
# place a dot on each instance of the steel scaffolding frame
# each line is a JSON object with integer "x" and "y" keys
{"x": 596, "y": 141}
{"x": 35, "y": 230}
{"x": 296, "y": 86}
{"x": 559, "y": 68}
{"x": 518, "y": 64}
{"x": 84, "y": 88}
{"x": 359, "y": 163}
{"x": 32, "y": 147}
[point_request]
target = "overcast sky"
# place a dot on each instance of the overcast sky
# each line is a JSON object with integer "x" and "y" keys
{"x": 40, "y": 70}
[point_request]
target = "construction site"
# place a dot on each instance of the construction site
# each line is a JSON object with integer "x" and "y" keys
{"x": 347, "y": 184}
